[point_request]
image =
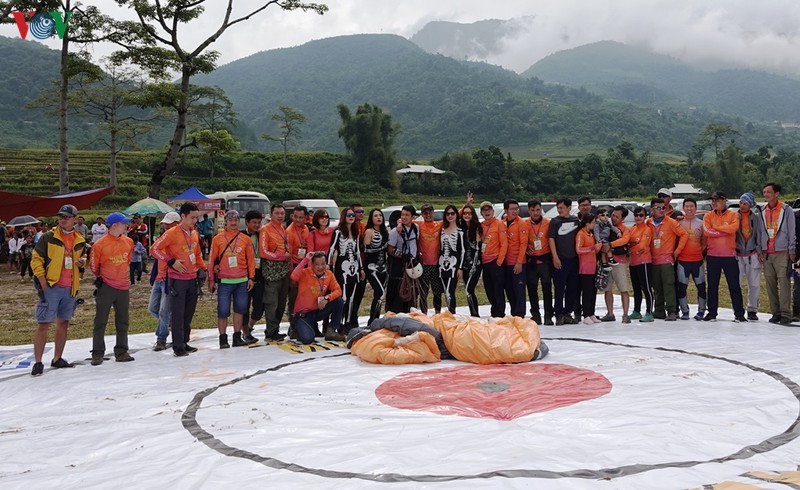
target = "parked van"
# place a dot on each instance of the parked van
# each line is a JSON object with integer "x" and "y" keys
{"x": 244, "y": 201}
{"x": 328, "y": 205}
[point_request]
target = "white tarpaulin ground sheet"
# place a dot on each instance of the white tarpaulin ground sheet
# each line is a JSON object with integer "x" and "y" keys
{"x": 666, "y": 405}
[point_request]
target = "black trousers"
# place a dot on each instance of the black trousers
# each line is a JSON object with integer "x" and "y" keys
{"x": 540, "y": 270}
{"x": 640, "y": 279}
{"x": 493, "y": 283}
{"x": 470, "y": 283}
{"x": 183, "y": 300}
{"x": 715, "y": 267}
{"x": 588, "y": 294}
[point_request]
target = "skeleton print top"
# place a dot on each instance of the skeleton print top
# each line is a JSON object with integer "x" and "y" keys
{"x": 346, "y": 251}
{"x": 375, "y": 253}
{"x": 472, "y": 253}
{"x": 451, "y": 252}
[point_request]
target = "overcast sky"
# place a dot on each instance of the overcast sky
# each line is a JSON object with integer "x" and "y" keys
{"x": 761, "y": 34}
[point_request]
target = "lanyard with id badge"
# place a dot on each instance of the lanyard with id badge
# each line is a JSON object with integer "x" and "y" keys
{"x": 303, "y": 247}
{"x": 537, "y": 244}
{"x": 189, "y": 246}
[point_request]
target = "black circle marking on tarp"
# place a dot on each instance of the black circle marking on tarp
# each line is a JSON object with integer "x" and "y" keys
{"x": 189, "y": 421}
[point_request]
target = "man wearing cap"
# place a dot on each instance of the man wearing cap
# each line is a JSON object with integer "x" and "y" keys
{"x": 778, "y": 242}
{"x": 110, "y": 263}
{"x": 179, "y": 249}
{"x": 749, "y": 251}
{"x": 720, "y": 227}
{"x": 54, "y": 259}
{"x": 159, "y": 305}
{"x": 493, "y": 251}
{"x": 430, "y": 233}
{"x": 666, "y": 195}
{"x": 233, "y": 270}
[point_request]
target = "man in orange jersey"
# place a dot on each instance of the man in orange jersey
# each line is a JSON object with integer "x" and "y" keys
{"x": 232, "y": 271}
{"x": 319, "y": 296}
{"x": 430, "y": 233}
{"x": 749, "y": 250}
{"x": 159, "y": 305}
{"x": 110, "y": 263}
{"x": 562, "y": 232}
{"x": 666, "y": 195}
{"x": 55, "y": 257}
{"x": 669, "y": 239}
{"x": 720, "y": 227}
{"x": 540, "y": 264}
{"x": 779, "y": 237}
{"x": 493, "y": 249}
{"x": 179, "y": 249}
{"x": 690, "y": 261}
{"x": 273, "y": 244}
{"x": 514, "y": 278}
{"x": 620, "y": 272}
{"x": 297, "y": 233}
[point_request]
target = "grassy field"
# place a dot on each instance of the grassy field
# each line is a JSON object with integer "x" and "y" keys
{"x": 17, "y": 325}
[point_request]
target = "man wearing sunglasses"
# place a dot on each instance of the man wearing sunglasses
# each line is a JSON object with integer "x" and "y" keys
{"x": 666, "y": 195}
{"x": 669, "y": 239}
{"x": 55, "y": 259}
{"x": 720, "y": 227}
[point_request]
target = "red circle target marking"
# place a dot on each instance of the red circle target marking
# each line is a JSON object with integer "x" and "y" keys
{"x": 502, "y": 392}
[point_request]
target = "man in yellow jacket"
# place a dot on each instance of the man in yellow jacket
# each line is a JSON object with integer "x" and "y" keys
{"x": 55, "y": 262}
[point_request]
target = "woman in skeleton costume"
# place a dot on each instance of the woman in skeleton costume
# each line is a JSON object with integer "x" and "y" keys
{"x": 471, "y": 266}
{"x": 376, "y": 239}
{"x": 347, "y": 268}
{"x": 451, "y": 255}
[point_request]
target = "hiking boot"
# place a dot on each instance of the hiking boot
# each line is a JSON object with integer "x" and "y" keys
{"x": 97, "y": 359}
{"x": 537, "y": 318}
{"x": 710, "y": 318}
{"x": 277, "y": 337}
{"x": 160, "y": 345}
{"x": 608, "y": 318}
{"x": 626, "y": 319}
{"x": 61, "y": 363}
{"x": 188, "y": 348}
{"x": 38, "y": 369}
{"x": 671, "y": 317}
{"x": 785, "y": 320}
{"x": 751, "y": 316}
{"x": 333, "y": 335}
{"x": 223, "y": 341}
{"x": 549, "y": 321}
{"x": 237, "y": 339}
{"x": 636, "y": 316}
{"x": 559, "y": 320}
{"x": 647, "y": 318}
{"x": 124, "y": 357}
{"x": 740, "y": 319}
{"x": 699, "y": 316}
{"x": 775, "y": 319}
{"x": 249, "y": 339}
{"x": 685, "y": 316}
{"x": 180, "y": 353}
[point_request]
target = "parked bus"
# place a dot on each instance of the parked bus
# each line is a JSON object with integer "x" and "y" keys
{"x": 244, "y": 201}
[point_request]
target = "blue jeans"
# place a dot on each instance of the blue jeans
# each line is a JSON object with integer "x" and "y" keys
{"x": 226, "y": 292}
{"x": 160, "y": 308}
{"x": 304, "y": 322}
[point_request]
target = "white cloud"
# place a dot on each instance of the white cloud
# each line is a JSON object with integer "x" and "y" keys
{"x": 762, "y": 34}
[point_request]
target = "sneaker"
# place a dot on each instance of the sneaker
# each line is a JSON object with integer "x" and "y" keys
{"x": 237, "y": 339}
{"x": 559, "y": 320}
{"x": 160, "y": 345}
{"x": 38, "y": 369}
{"x": 647, "y": 318}
{"x": 699, "y": 316}
{"x": 277, "y": 337}
{"x": 568, "y": 320}
{"x": 608, "y": 318}
{"x": 595, "y": 319}
{"x": 588, "y": 321}
{"x": 180, "y": 353}
{"x": 751, "y": 316}
{"x": 223, "y": 341}
{"x": 775, "y": 319}
{"x": 710, "y": 318}
{"x": 124, "y": 357}
{"x": 740, "y": 319}
{"x": 685, "y": 316}
{"x": 97, "y": 359}
{"x": 249, "y": 339}
{"x": 292, "y": 333}
{"x": 333, "y": 335}
{"x": 188, "y": 348}
{"x": 636, "y": 316}
{"x": 549, "y": 321}
{"x": 62, "y": 363}
{"x": 626, "y": 319}
{"x": 785, "y": 320}
{"x": 671, "y": 317}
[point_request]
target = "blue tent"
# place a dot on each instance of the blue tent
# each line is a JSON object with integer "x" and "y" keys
{"x": 190, "y": 194}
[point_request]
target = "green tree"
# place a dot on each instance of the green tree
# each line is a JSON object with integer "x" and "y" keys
{"x": 154, "y": 42}
{"x": 369, "y": 136}
{"x": 215, "y": 144}
{"x": 491, "y": 165}
{"x": 289, "y": 122}
{"x": 212, "y": 110}
{"x": 712, "y": 136}
{"x": 728, "y": 172}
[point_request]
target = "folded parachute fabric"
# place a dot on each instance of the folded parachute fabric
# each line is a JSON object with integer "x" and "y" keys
{"x": 492, "y": 340}
{"x": 403, "y": 325}
{"x": 396, "y": 340}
